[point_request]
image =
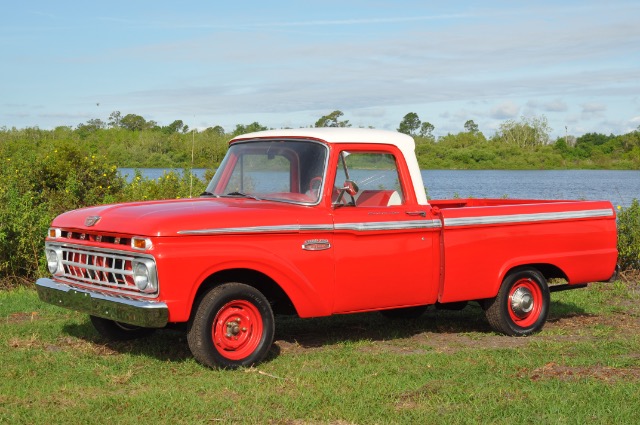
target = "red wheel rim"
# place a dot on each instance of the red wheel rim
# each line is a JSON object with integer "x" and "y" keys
{"x": 525, "y": 303}
{"x": 237, "y": 329}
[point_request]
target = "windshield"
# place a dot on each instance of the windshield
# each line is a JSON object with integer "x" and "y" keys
{"x": 279, "y": 170}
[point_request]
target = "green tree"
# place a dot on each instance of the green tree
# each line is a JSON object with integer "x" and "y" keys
{"x": 426, "y": 130}
{"x": 133, "y": 122}
{"x": 332, "y": 120}
{"x": 409, "y": 124}
{"x": 176, "y": 127}
{"x": 470, "y": 126}
{"x": 217, "y": 130}
{"x": 528, "y": 132}
{"x": 242, "y": 129}
{"x": 91, "y": 126}
{"x": 114, "y": 119}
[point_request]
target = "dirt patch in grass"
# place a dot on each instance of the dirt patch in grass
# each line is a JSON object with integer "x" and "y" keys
{"x": 63, "y": 343}
{"x": 22, "y": 317}
{"x": 570, "y": 373}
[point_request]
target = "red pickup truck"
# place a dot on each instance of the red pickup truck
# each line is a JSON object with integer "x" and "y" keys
{"x": 316, "y": 222}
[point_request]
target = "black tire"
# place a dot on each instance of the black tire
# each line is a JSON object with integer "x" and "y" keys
{"x": 232, "y": 326}
{"x": 116, "y": 331}
{"x": 522, "y": 304}
{"x": 405, "y": 313}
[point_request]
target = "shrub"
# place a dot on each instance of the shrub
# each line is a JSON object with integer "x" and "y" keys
{"x": 629, "y": 236}
{"x": 171, "y": 185}
{"x": 38, "y": 185}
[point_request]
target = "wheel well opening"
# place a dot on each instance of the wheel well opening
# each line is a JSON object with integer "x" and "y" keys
{"x": 279, "y": 300}
{"x": 549, "y": 271}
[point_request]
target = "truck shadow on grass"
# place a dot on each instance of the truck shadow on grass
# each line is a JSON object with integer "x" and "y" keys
{"x": 294, "y": 335}
{"x": 373, "y": 327}
{"x": 168, "y": 345}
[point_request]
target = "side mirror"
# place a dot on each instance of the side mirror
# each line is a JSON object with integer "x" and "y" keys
{"x": 351, "y": 187}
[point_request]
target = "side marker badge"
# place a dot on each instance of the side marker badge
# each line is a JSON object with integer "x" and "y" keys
{"x": 316, "y": 245}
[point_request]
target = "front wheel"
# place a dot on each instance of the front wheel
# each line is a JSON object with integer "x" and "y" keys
{"x": 522, "y": 304}
{"x": 232, "y": 326}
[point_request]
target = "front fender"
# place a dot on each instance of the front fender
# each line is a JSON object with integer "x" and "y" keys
{"x": 183, "y": 269}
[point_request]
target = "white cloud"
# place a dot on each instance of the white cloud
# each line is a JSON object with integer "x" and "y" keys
{"x": 505, "y": 110}
{"x": 592, "y": 107}
{"x": 556, "y": 105}
{"x": 593, "y": 110}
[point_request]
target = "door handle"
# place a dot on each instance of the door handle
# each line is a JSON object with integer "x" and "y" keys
{"x": 420, "y": 213}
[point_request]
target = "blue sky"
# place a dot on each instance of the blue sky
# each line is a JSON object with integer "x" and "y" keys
{"x": 286, "y": 63}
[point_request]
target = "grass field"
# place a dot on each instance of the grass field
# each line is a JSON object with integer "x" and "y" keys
{"x": 445, "y": 367}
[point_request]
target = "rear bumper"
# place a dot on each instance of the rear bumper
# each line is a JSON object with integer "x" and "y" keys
{"x": 615, "y": 274}
{"x": 148, "y": 314}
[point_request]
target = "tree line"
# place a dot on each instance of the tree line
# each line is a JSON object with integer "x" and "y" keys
{"x": 132, "y": 141}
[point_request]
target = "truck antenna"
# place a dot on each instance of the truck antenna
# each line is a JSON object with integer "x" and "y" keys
{"x": 193, "y": 143}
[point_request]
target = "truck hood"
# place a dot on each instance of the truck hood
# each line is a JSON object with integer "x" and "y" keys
{"x": 169, "y": 217}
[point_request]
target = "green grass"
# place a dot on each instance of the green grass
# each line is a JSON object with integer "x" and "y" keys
{"x": 446, "y": 367}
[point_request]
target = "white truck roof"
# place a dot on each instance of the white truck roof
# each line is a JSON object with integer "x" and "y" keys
{"x": 335, "y": 135}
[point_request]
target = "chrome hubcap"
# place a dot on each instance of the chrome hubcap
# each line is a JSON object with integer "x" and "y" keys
{"x": 521, "y": 302}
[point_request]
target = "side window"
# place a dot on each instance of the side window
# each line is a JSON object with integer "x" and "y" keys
{"x": 371, "y": 178}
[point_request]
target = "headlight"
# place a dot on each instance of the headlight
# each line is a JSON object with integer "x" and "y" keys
{"x": 53, "y": 262}
{"x": 144, "y": 276}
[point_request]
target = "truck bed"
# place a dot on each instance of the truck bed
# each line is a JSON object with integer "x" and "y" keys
{"x": 483, "y": 238}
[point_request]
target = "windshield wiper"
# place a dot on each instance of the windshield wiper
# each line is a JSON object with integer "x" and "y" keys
{"x": 205, "y": 193}
{"x": 242, "y": 195}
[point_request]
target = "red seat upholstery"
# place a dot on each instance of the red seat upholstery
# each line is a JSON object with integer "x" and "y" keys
{"x": 374, "y": 198}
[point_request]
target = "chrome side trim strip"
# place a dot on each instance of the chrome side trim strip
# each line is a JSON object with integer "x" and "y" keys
{"x": 260, "y": 229}
{"x": 526, "y": 218}
{"x": 389, "y": 225}
{"x": 408, "y": 224}
{"x": 316, "y": 227}
{"x": 359, "y": 227}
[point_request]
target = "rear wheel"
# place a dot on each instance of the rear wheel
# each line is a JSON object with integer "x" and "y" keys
{"x": 233, "y": 326}
{"x": 522, "y": 304}
{"x": 117, "y": 331}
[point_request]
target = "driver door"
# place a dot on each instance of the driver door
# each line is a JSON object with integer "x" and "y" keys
{"x": 384, "y": 242}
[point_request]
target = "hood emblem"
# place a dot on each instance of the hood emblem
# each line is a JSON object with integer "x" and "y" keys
{"x": 91, "y": 220}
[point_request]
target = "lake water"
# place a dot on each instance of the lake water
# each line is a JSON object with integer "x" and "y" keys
{"x": 619, "y": 187}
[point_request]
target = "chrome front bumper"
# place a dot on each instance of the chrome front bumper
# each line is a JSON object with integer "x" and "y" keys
{"x": 148, "y": 314}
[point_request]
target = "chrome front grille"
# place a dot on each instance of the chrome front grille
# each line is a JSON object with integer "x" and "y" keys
{"x": 99, "y": 268}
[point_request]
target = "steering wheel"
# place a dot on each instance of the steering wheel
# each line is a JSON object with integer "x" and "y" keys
{"x": 314, "y": 186}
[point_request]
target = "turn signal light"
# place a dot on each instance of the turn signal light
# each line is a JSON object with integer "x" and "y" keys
{"x": 140, "y": 243}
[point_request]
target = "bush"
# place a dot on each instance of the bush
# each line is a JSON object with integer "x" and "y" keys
{"x": 39, "y": 185}
{"x": 170, "y": 186}
{"x": 629, "y": 236}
